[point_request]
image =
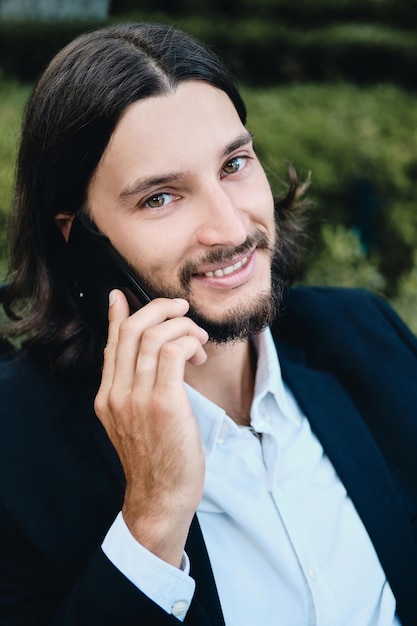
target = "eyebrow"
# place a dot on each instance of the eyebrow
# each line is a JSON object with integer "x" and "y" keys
{"x": 141, "y": 185}
{"x": 239, "y": 142}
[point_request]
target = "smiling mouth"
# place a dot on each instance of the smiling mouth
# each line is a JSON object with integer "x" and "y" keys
{"x": 224, "y": 271}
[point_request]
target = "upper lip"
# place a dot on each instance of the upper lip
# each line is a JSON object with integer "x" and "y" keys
{"x": 227, "y": 263}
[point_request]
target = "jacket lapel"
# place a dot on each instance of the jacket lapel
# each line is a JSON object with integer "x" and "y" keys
{"x": 200, "y": 569}
{"x": 360, "y": 465}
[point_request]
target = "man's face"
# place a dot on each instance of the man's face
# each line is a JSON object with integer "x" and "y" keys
{"x": 182, "y": 196}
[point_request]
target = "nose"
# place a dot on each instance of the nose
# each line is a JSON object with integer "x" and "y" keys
{"x": 223, "y": 220}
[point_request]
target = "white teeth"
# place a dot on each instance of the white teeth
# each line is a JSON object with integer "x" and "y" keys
{"x": 227, "y": 270}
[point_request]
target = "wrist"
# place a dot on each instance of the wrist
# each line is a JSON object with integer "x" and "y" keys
{"x": 164, "y": 535}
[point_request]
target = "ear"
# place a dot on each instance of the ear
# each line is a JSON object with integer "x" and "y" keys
{"x": 64, "y": 223}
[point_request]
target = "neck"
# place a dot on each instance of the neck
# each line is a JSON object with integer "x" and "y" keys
{"x": 227, "y": 378}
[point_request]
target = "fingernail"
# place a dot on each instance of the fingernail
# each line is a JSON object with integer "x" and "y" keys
{"x": 205, "y": 333}
{"x": 112, "y": 297}
{"x": 180, "y": 300}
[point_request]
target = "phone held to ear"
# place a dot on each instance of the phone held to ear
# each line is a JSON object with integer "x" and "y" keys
{"x": 95, "y": 268}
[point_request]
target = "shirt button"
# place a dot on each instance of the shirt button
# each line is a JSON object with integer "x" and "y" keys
{"x": 178, "y": 608}
{"x": 312, "y": 572}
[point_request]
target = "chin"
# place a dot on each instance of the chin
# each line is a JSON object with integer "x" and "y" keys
{"x": 240, "y": 322}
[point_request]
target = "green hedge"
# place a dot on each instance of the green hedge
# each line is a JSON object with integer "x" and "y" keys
{"x": 360, "y": 146}
{"x": 267, "y": 53}
{"x": 301, "y": 13}
{"x": 27, "y": 46}
{"x": 260, "y": 52}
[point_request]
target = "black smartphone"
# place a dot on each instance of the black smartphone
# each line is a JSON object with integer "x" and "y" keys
{"x": 95, "y": 268}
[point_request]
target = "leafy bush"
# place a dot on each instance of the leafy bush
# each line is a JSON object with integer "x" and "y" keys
{"x": 260, "y": 51}
{"x": 340, "y": 259}
{"x": 12, "y": 98}
{"x": 26, "y": 46}
{"x": 360, "y": 145}
{"x": 292, "y": 12}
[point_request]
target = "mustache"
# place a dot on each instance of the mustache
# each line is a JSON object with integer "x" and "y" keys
{"x": 258, "y": 240}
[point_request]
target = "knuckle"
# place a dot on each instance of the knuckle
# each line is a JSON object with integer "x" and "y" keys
{"x": 108, "y": 403}
{"x": 149, "y": 338}
{"x": 171, "y": 351}
{"x": 161, "y": 405}
{"x": 109, "y": 348}
{"x": 115, "y": 402}
{"x": 126, "y": 328}
{"x": 99, "y": 403}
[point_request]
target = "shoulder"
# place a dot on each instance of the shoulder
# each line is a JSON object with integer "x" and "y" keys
{"x": 35, "y": 405}
{"x": 336, "y": 312}
{"x": 328, "y": 300}
{"x": 22, "y": 380}
{"x": 346, "y": 326}
{"x": 46, "y": 427}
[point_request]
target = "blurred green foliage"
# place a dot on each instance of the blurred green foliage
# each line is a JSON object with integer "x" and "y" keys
{"x": 341, "y": 260}
{"x": 274, "y": 41}
{"x": 360, "y": 145}
{"x": 312, "y": 14}
{"x": 12, "y": 99}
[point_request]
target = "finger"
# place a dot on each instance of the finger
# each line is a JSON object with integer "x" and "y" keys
{"x": 159, "y": 310}
{"x": 118, "y": 312}
{"x": 153, "y": 341}
{"x": 172, "y": 360}
{"x": 132, "y": 330}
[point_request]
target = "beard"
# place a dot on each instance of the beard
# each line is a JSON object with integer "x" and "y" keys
{"x": 241, "y": 321}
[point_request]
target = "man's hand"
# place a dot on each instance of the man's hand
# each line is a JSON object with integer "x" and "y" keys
{"x": 143, "y": 405}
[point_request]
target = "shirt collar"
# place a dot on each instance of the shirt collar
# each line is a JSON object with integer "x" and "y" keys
{"x": 268, "y": 375}
{"x": 211, "y": 418}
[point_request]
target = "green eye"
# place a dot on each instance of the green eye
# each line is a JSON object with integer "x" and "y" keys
{"x": 158, "y": 200}
{"x": 234, "y": 165}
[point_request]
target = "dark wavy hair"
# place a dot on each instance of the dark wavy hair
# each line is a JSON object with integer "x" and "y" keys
{"x": 69, "y": 119}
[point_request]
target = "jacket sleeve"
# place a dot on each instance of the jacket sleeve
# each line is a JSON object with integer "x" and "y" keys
{"x": 31, "y": 593}
{"x": 61, "y": 487}
{"x": 102, "y": 595}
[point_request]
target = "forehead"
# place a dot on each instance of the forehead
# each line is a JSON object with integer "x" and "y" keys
{"x": 195, "y": 117}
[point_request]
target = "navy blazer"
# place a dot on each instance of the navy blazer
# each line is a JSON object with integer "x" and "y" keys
{"x": 352, "y": 366}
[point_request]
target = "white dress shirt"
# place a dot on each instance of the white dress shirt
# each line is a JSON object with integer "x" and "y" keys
{"x": 284, "y": 539}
